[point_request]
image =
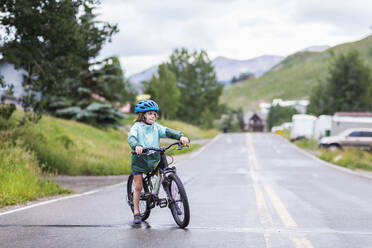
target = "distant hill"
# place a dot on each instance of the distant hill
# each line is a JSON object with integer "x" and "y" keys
{"x": 225, "y": 68}
{"x": 145, "y": 75}
{"x": 293, "y": 78}
{"x": 316, "y": 48}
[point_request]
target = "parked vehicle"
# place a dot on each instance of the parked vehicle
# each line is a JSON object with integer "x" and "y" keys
{"x": 323, "y": 126}
{"x": 354, "y": 137}
{"x": 342, "y": 123}
{"x": 302, "y": 126}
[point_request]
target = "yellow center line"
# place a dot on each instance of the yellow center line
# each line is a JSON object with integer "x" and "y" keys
{"x": 302, "y": 243}
{"x": 263, "y": 211}
{"x": 281, "y": 210}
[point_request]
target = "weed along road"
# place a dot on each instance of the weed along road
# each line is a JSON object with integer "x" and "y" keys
{"x": 245, "y": 190}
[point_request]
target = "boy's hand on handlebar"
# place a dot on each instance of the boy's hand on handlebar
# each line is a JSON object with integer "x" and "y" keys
{"x": 185, "y": 141}
{"x": 139, "y": 150}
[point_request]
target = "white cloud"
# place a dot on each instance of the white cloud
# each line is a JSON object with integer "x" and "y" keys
{"x": 150, "y": 30}
{"x": 135, "y": 64}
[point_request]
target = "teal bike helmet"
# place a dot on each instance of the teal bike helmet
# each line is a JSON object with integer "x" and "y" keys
{"x": 146, "y": 105}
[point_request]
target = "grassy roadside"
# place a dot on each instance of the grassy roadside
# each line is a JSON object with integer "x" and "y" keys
{"x": 185, "y": 150}
{"x": 61, "y": 146}
{"x": 21, "y": 179}
{"x": 191, "y": 131}
{"x": 349, "y": 158}
{"x": 73, "y": 148}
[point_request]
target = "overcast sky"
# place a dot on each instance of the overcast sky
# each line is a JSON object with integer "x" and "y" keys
{"x": 238, "y": 29}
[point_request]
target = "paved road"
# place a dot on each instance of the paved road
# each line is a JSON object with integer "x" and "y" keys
{"x": 245, "y": 190}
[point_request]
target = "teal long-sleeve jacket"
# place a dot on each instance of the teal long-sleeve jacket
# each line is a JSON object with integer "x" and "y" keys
{"x": 148, "y": 136}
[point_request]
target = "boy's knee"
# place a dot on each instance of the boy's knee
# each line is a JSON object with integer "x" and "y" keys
{"x": 138, "y": 187}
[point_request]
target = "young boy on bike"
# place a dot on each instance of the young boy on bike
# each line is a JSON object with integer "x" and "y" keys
{"x": 147, "y": 133}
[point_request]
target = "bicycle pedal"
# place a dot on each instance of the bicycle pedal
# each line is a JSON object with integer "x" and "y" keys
{"x": 163, "y": 202}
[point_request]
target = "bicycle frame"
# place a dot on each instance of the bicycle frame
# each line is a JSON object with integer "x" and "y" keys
{"x": 163, "y": 172}
{"x": 176, "y": 198}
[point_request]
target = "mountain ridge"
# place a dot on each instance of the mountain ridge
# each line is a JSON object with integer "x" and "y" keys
{"x": 293, "y": 78}
{"x": 226, "y": 68}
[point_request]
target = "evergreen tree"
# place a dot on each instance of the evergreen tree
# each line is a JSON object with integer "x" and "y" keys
{"x": 347, "y": 88}
{"x": 165, "y": 91}
{"x": 278, "y": 115}
{"x": 199, "y": 88}
{"x": 111, "y": 82}
{"x": 348, "y": 83}
{"x": 240, "y": 117}
{"x": 56, "y": 42}
{"x": 319, "y": 100}
{"x": 234, "y": 80}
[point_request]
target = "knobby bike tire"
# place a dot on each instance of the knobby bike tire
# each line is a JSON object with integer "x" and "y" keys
{"x": 145, "y": 213}
{"x": 176, "y": 181}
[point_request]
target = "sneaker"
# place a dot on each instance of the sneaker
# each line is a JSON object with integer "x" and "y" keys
{"x": 137, "y": 219}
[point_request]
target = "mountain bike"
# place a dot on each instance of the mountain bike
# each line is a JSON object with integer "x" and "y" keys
{"x": 176, "y": 198}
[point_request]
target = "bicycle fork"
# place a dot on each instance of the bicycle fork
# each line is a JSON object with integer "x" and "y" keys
{"x": 166, "y": 186}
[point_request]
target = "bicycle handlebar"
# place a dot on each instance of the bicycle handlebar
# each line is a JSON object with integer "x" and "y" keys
{"x": 160, "y": 149}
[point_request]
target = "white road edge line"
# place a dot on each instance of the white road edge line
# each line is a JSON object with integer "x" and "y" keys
{"x": 61, "y": 199}
{"x": 194, "y": 154}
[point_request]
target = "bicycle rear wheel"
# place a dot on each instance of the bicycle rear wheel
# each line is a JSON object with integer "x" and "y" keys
{"x": 143, "y": 203}
{"x": 179, "y": 204}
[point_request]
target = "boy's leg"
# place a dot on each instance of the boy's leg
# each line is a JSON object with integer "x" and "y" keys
{"x": 137, "y": 192}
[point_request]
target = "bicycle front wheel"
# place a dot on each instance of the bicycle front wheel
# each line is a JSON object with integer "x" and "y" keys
{"x": 144, "y": 207}
{"x": 179, "y": 204}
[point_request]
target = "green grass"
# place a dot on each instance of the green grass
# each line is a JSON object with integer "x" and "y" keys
{"x": 191, "y": 131}
{"x": 308, "y": 144}
{"x": 175, "y": 152}
{"x": 73, "y": 148}
{"x": 293, "y": 78}
{"x": 21, "y": 179}
{"x": 349, "y": 158}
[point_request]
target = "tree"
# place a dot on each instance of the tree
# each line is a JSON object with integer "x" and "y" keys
{"x": 234, "y": 80}
{"x": 199, "y": 88}
{"x": 278, "y": 115}
{"x": 240, "y": 117}
{"x": 319, "y": 100}
{"x": 56, "y": 42}
{"x": 111, "y": 82}
{"x": 347, "y": 88}
{"x": 165, "y": 91}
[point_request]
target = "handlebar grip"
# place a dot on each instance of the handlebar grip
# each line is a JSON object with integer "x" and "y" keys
{"x": 144, "y": 151}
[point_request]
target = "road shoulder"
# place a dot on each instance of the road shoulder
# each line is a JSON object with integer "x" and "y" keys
{"x": 361, "y": 173}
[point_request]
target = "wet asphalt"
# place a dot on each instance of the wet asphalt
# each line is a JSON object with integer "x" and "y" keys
{"x": 245, "y": 190}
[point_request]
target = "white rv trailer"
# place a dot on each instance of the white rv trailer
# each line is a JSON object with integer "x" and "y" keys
{"x": 302, "y": 126}
{"x": 341, "y": 123}
{"x": 323, "y": 126}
